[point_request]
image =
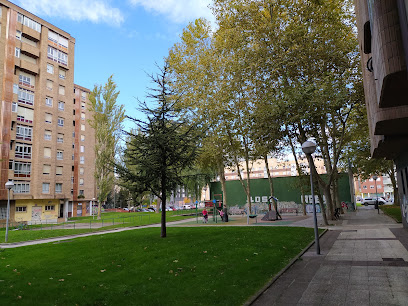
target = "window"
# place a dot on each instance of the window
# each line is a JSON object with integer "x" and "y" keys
{"x": 371, "y": 187}
{"x": 83, "y": 116}
{"x": 49, "y": 207}
{"x": 46, "y": 169}
{"x": 83, "y": 105}
{"x": 14, "y": 107}
{"x": 21, "y": 187}
{"x": 62, "y": 74}
{"x": 24, "y": 132}
{"x": 26, "y": 79}
{"x": 61, "y": 90}
{"x": 22, "y": 169}
{"x": 81, "y": 192}
{"x": 57, "y": 56}
{"x": 58, "y": 188}
{"x": 46, "y": 188}
{"x": 23, "y": 151}
{"x": 81, "y": 182}
{"x": 82, "y": 149}
{"x": 49, "y": 85}
{"x": 364, "y": 187}
{"x": 61, "y": 105}
{"x": 81, "y": 171}
{"x": 29, "y": 22}
{"x": 83, "y": 95}
{"x": 50, "y": 68}
{"x": 17, "y": 52}
{"x": 82, "y": 137}
{"x": 60, "y": 155}
{"x": 21, "y": 208}
{"x": 47, "y": 135}
{"x": 379, "y": 186}
{"x": 25, "y": 96}
{"x": 82, "y": 127}
{"x": 57, "y": 40}
{"x": 60, "y": 138}
{"x": 82, "y": 159}
{"x": 25, "y": 114}
{"x": 48, "y": 101}
{"x": 18, "y": 35}
{"x": 60, "y": 121}
{"x": 48, "y": 118}
{"x": 58, "y": 170}
{"x": 47, "y": 152}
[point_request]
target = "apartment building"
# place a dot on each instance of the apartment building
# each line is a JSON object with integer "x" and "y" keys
{"x": 277, "y": 168}
{"x": 39, "y": 118}
{"x": 383, "y": 38}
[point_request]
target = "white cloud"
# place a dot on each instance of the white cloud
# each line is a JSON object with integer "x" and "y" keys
{"x": 178, "y": 11}
{"x": 92, "y": 10}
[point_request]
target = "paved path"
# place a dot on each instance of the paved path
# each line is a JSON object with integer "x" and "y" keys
{"x": 363, "y": 261}
{"x": 69, "y": 237}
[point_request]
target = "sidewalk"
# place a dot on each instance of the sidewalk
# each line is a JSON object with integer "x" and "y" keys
{"x": 363, "y": 261}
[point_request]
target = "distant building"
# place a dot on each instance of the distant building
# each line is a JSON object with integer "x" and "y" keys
{"x": 47, "y": 146}
{"x": 383, "y": 38}
{"x": 277, "y": 168}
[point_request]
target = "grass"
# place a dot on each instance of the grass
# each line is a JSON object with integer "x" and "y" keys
{"x": 192, "y": 266}
{"x": 394, "y": 211}
{"x": 109, "y": 221}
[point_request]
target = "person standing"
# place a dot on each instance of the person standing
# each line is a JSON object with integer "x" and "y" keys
{"x": 205, "y": 216}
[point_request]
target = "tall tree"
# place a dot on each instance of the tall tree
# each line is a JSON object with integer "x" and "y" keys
{"x": 107, "y": 119}
{"x": 166, "y": 145}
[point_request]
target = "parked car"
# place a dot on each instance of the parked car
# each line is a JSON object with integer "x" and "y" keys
{"x": 371, "y": 201}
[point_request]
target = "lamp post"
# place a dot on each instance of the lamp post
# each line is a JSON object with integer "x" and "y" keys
{"x": 375, "y": 177}
{"x": 308, "y": 147}
{"x": 9, "y": 185}
{"x": 93, "y": 200}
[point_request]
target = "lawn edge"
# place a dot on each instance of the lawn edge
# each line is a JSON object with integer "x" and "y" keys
{"x": 254, "y": 297}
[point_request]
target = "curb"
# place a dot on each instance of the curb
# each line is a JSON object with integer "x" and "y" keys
{"x": 251, "y": 300}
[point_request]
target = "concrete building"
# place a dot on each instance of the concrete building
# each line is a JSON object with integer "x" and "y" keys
{"x": 383, "y": 39}
{"x": 41, "y": 119}
{"x": 277, "y": 167}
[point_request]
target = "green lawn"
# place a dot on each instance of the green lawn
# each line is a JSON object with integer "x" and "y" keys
{"x": 192, "y": 266}
{"x": 393, "y": 211}
{"x": 108, "y": 221}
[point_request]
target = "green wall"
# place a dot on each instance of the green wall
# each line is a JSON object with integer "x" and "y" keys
{"x": 287, "y": 189}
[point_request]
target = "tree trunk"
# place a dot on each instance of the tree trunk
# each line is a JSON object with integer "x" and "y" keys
{"x": 321, "y": 202}
{"x": 99, "y": 210}
{"x": 303, "y": 200}
{"x": 271, "y": 189}
{"x": 394, "y": 187}
{"x": 223, "y": 188}
{"x": 163, "y": 202}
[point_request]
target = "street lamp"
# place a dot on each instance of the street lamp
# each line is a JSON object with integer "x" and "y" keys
{"x": 376, "y": 194}
{"x": 308, "y": 147}
{"x": 9, "y": 185}
{"x": 93, "y": 200}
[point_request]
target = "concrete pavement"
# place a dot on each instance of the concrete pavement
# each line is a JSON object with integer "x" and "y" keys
{"x": 363, "y": 261}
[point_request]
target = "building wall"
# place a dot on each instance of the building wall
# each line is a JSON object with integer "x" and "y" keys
{"x": 37, "y": 94}
{"x": 384, "y": 68}
{"x": 286, "y": 190}
{"x": 37, "y": 211}
{"x": 277, "y": 168}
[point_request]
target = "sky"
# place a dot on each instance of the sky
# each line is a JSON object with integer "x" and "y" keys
{"x": 125, "y": 38}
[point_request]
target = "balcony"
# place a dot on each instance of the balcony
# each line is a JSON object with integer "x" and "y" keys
{"x": 29, "y": 67}
{"x": 22, "y": 119}
{"x": 30, "y": 50}
{"x": 30, "y": 33}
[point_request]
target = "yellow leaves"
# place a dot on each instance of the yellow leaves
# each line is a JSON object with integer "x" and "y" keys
{"x": 61, "y": 280}
{"x": 103, "y": 270}
{"x": 176, "y": 260}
